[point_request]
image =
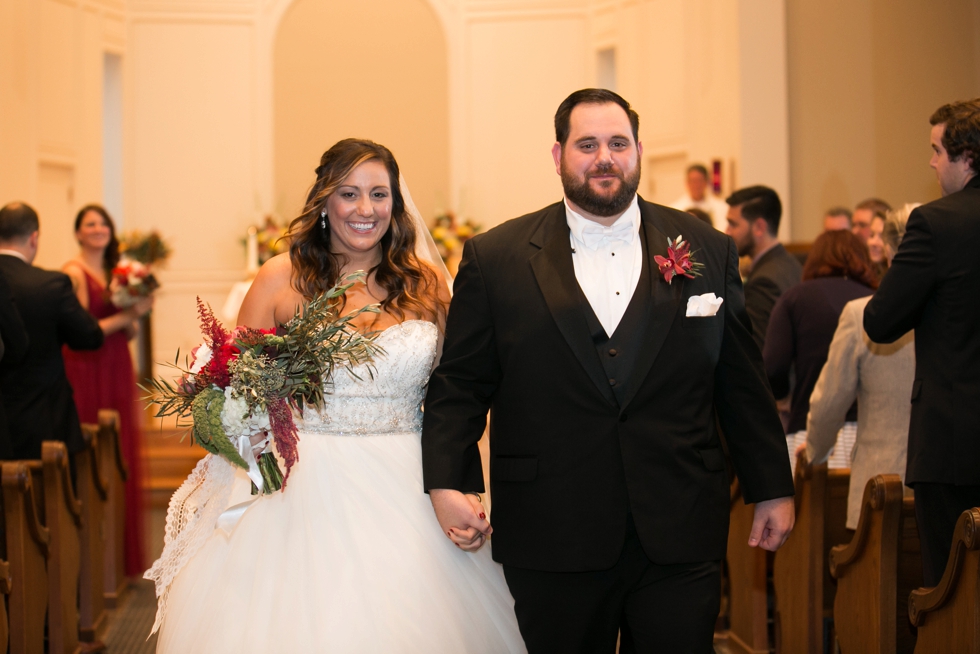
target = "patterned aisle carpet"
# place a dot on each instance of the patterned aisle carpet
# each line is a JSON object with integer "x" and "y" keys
{"x": 131, "y": 622}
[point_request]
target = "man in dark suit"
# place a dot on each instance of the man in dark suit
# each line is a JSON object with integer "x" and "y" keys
{"x": 609, "y": 486}
{"x": 753, "y": 222}
{"x": 36, "y": 394}
{"x": 931, "y": 287}
{"x": 13, "y": 349}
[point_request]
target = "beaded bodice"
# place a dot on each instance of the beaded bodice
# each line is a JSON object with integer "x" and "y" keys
{"x": 390, "y": 400}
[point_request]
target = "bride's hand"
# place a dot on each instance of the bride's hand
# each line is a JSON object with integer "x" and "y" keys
{"x": 462, "y": 518}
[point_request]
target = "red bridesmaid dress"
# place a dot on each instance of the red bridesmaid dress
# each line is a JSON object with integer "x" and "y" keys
{"x": 104, "y": 379}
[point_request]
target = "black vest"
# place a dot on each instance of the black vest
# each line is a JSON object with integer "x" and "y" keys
{"x": 618, "y": 352}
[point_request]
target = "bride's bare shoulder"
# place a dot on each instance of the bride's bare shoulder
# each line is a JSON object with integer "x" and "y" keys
{"x": 271, "y": 294}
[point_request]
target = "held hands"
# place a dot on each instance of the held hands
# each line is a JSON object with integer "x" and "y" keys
{"x": 462, "y": 518}
{"x": 772, "y": 523}
{"x": 142, "y": 307}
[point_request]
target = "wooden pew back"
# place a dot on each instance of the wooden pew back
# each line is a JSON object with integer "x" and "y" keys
{"x": 27, "y": 541}
{"x": 63, "y": 518}
{"x": 93, "y": 492}
{"x": 948, "y": 616}
{"x": 802, "y": 587}
{"x": 876, "y": 571}
{"x": 748, "y": 569}
{"x": 114, "y": 466}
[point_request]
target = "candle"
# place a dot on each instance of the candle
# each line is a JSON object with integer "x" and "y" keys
{"x": 252, "y": 251}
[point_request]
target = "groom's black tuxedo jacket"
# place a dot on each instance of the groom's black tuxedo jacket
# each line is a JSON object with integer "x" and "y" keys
{"x": 569, "y": 460}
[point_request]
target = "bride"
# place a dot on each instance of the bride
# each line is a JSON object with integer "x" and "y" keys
{"x": 349, "y": 557}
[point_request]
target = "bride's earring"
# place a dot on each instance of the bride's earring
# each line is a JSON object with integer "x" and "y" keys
{"x": 323, "y": 219}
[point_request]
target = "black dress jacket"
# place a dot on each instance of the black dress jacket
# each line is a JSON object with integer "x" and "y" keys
{"x": 932, "y": 287}
{"x": 569, "y": 460}
{"x": 13, "y": 349}
{"x": 36, "y": 393}
{"x": 773, "y": 274}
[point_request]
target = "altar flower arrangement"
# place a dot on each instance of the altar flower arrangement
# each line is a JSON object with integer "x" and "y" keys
{"x": 271, "y": 239}
{"x": 243, "y": 385}
{"x": 148, "y": 248}
{"x": 131, "y": 282}
{"x": 450, "y": 233}
{"x": 679, "y": 260}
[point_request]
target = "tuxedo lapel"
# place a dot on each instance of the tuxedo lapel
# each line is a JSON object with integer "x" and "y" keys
{"x": 555, "y": 274}
{"x": 661, "y": 308}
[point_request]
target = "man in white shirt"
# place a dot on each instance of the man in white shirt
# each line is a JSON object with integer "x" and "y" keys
{"x": 573, "y": 324}
{"x": 698, "y": 197}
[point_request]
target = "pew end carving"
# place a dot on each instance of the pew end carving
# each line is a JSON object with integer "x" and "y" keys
{"x": 748, "y": 573}
{"x": 114, "y": 466}
{"x": 876, "y": 571}
{"x": 948, "y": 616}
{"x": 93, "y": 491}
{"x": 802, "y": 586}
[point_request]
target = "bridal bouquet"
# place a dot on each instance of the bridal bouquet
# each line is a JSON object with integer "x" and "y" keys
{"x": 245, "y": 383}
{"x": 131, "y": 282}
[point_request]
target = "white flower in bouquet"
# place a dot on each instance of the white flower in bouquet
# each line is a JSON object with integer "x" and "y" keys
{"x": 237, "y": 419}
{"x": 202, "y": 356}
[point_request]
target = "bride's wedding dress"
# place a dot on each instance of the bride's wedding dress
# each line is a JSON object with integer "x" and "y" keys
{"x": 350, "y": 557}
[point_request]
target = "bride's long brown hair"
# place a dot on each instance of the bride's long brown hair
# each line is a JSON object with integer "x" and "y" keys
{"x": 412, "y": 284}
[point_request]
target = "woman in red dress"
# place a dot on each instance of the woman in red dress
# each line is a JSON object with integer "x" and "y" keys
{"x": 103, "y": 378}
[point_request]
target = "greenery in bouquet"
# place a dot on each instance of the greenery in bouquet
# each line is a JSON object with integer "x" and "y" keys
{"x": 450, "y": 233}
{"x": 247, "y": 382}
{"x": 131, "y": 282}
{"x": 148, "y": 248}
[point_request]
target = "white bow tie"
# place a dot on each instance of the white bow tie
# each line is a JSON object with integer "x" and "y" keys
{"x": 595, "y": 236}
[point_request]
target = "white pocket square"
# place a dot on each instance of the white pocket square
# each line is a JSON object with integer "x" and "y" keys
{"x": 703, "y": 306}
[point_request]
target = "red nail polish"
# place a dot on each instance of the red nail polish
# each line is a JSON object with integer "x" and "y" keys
{"x": 483, "y": 516}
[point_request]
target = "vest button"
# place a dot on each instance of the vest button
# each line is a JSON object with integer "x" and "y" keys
{"x": 612, "y": 382}
{"x": 613, "y": 352}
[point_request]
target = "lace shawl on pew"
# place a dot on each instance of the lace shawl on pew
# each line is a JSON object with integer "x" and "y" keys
{"x": 191, "y": 517}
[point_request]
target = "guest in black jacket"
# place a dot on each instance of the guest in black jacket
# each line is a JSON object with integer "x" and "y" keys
{"x": 804, "y": 320}
{"x": 13, "y": 349}
{"x": 753, "y": 223}
{"x": 931, "y": 287}
{"x": 36, "y": 394}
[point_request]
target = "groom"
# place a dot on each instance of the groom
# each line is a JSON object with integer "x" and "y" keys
{"x": 610, "y": 492}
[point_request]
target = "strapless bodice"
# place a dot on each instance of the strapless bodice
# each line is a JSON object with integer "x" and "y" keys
{"x": 384, "y": 397}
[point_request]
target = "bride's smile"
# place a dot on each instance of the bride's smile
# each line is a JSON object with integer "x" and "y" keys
{"x": 359, "y": 211}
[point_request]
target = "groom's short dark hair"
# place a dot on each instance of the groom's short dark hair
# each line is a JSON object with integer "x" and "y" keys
{"x": 591, "y": 96}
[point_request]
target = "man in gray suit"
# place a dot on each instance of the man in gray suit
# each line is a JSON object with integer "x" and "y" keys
{"x": 753, "y": 222}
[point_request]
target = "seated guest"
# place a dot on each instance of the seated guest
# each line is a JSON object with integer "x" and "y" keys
{"x": 36, "y": 394}
{"x": 838, "y": 218}
{"x": 803, "y": 322}
{"x": 879, "y": 377}
{"x": 876, "y": 246}
{"x": 863, "y": 213}
{"x": 753, "y": 223}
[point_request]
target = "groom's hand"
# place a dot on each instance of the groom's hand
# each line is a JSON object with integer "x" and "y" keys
{"x": 462, "y": 518}
{"x": 772, "y": 523}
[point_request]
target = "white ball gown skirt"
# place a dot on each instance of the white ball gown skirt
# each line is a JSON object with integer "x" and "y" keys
{"x": 350, "y": 557}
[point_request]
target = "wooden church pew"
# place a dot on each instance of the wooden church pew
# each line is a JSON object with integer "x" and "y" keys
{"x": 27, "y": 541}
{"x": 748, "y": 568}
{"x": 114, "y": 466}
{"x": 63, "y": 518}
{"x": 948, "y": 616}
{"x": 93, "y": 492}
{"x": 5, "y": 583}
{"x": 876, "y": 571}
{"x": 802, "y": 587}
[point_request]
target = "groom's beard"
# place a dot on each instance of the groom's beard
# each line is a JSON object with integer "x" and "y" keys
{"x": 582, "y": 195}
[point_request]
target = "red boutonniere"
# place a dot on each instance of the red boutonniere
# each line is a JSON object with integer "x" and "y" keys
{"x": 679, "y": 260}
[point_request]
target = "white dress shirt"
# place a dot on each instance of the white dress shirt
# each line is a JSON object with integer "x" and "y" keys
{"x": 608, "y": 261}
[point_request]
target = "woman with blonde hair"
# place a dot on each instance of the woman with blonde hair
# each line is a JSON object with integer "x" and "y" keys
{"x": 350, "y": 557}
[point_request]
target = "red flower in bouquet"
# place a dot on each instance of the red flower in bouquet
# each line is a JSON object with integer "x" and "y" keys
{"x": 679, "y": 260}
